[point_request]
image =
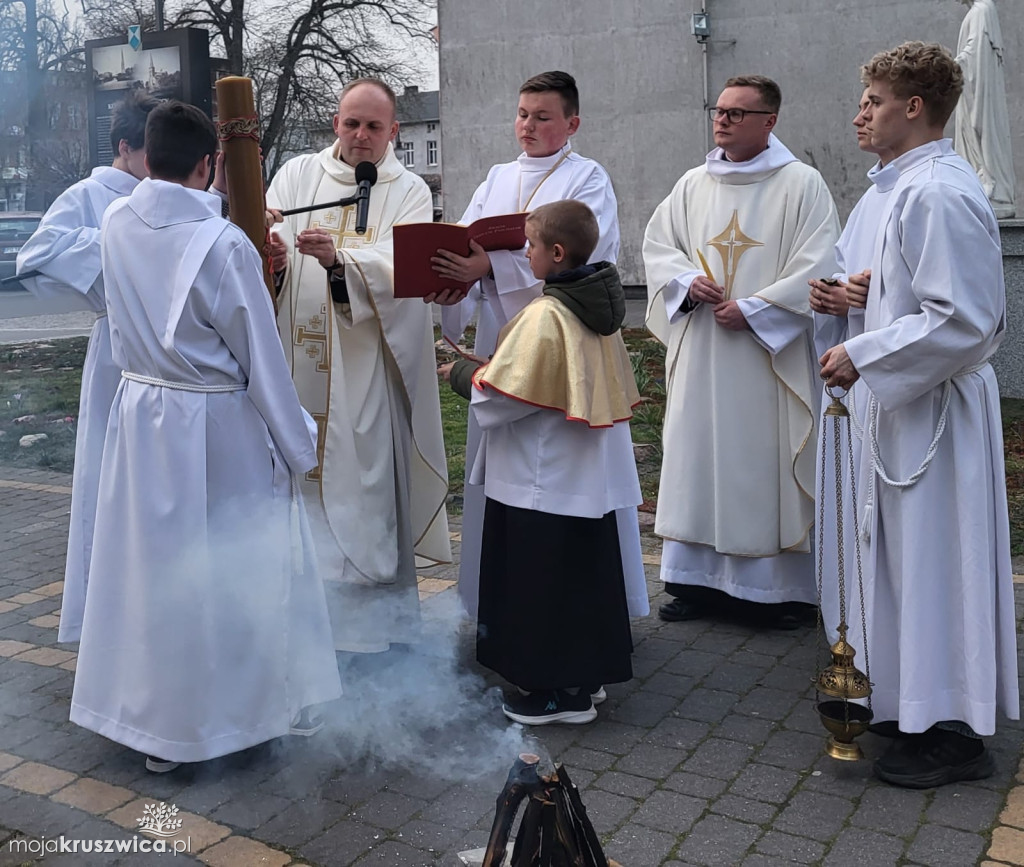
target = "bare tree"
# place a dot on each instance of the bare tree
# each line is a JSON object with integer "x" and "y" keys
{"x": 298, "y": 54}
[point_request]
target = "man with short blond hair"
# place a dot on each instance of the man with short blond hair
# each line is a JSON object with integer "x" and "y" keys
{"x": 736, "y": 500}
{"x": 363, "y": 363}
{"x": 941, "y": 636}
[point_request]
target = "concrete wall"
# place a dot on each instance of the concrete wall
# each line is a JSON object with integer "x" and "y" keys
{"x": 642, "y": 84}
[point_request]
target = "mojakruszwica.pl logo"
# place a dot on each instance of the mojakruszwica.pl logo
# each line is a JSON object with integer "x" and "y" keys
{"x": 158, "y": 822}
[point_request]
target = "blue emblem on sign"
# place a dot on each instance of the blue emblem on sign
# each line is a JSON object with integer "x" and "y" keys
{"x": 135, "y": 36}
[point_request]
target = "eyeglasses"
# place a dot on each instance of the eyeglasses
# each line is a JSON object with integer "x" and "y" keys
{"x": 735, "y": 115}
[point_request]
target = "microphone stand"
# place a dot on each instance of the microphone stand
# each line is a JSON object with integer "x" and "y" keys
{"x": 341, "y": 203}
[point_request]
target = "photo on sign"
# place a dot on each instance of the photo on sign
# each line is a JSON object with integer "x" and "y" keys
{"x": 158, "y": 70}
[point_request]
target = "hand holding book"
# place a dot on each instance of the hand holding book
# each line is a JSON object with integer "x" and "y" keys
{"x": 434, "y": 258}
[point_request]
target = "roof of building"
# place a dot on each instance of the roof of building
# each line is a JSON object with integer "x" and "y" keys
{"x": 416, "y": 107}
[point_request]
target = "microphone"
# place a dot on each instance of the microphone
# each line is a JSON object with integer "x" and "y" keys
{"x": 366, "y": 177}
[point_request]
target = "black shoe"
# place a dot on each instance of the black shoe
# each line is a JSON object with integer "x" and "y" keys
{"x": 680, "y": 609}
{"x": 934, "y": 759}
{"x": 551, "y": 706}
{"x": 888, "y": 729}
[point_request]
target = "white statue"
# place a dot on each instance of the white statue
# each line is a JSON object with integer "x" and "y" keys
{"x": 981, "y": 132}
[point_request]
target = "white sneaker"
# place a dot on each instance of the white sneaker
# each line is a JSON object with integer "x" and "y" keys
{"x": 598, "y": 695}
{"x": 160, "y": 766}
{"x": 305, "y": 725}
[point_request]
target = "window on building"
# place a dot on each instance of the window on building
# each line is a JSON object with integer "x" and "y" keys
{"x": 409, "y": 154}
{"x": 431, "y": 153}
{"x": 431, "y": 127}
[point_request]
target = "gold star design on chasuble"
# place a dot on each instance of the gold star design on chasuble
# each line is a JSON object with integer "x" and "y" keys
{"x": 731, "y": 243}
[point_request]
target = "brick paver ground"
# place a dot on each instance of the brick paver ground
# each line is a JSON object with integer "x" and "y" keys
{"x": 711, "y": 755}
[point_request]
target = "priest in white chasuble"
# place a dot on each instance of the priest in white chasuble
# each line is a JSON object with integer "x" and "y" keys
{"x": 363, "y": 364}
{"x": 941, "y": 633}
{"x": 548, "y": 170}
{"x": 736, "y": 499}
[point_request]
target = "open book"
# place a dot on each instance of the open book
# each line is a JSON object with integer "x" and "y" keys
{"x": 416, "y": 243}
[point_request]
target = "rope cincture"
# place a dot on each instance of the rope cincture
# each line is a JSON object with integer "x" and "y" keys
{"x": 221, "y": 388}
{"x": 878, "y": 466}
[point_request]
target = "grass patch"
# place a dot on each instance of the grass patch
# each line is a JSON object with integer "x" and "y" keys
{"x": 40, "y": 385}
{"x": 39, "y": 389}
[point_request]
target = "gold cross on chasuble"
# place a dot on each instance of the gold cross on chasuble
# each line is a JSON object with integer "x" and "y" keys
{"x": 342, "y": 224}
{"x": 731, "y": 243}
{"x": 313, "y": 336}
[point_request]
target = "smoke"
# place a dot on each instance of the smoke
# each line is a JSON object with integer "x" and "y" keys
{"x": 419, "y": 708}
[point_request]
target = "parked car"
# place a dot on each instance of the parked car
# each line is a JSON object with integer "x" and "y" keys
{"x": 16, "y": 227}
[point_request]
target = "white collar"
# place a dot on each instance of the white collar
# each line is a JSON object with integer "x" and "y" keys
{"x": 543, "y": 164}
{"x": 770, "y": 160}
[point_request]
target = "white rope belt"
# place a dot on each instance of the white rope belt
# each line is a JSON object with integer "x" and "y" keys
{"x": 101, "y": 314}
{"x": 183, "y": 386}
{"x": 878, "y": 467}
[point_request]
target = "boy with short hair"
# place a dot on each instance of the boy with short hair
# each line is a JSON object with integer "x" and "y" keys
{"x": 205, "y": 628}
{"x": 65, "y": 250}
{"x": 556, "y": 462}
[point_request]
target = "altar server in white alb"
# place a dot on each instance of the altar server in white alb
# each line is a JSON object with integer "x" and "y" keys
{"x": 548, "y": 170}
{"x": 839, "y": 314}
{"x": 737, "y": 480}
{"x": 65, "y": 250}
{"x": 206, "y": 628}
{"x": 363, "y": 363}
{"x": 939, "y": 598}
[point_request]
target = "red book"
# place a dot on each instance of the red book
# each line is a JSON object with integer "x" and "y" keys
{"x": 416, "y": 243}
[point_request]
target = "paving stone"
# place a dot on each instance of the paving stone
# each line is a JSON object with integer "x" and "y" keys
{"x": 388, "y": 810}
{"x": 747, "y": 729}
{"x": 935, "y": 846}
{"x": 299, "y": 823}
{"x": 716, "y": 840}
{"x": 733, "y": 677}
{"x": 858, "y": 847}
{"x": 644, "y": 709}
{"x": 765, "y": 783}
{"x": 967, "y": 809}
{"x": 790, "y": 847}
{"x": 639, "y": 847}
{"x": 93, "y": 796}
{"x": 846, "y": 779}
{"x": 242, "y": 852}
{"x": 773, "y": 704}
{"x": 890, "y": 810}
{"x": 707, "y": 705}
{"x": 592, "y": 760}
{"x": 649, "y": 760}
{"x": 694, "y": 663}
{"x": 675, "y": 685}
{"x": 1013, "y": 814}
{"x": 682, "y": 734}
{"x": 669, "y": 811}
{"x": 248, "y": 811}
{"x": 343, "y": 844}
{"x": 608, "y": 811}
{"x": 744, "y": 809}
{"x": 624, "y": 784}
{"x": 462, "y": 806}
{"x": 657, "y": 648}
{"x": 719, "y": 758}
{"x": 430, "y": 836}
{"x": 8, "y": 761}
{"x": 396, "y": 854}
{"x": 791, "y": 749}
{"x": 1007, "y": 845}
{"x": 614, "y": 737}
{"x": 814, "y": 814}
{"x": 695, "y": 784}
{"x": 36, "y": 778}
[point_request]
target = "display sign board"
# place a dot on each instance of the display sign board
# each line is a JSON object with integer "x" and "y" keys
{"x": 171, "y": 64}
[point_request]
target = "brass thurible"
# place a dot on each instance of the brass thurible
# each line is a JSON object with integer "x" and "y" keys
{"x": 841, "y": 682}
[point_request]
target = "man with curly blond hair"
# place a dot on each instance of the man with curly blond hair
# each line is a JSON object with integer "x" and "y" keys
{"x": 938, "y": 584}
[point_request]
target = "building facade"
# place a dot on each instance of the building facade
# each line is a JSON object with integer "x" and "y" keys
{"x": 645, "y": 80}
{"x": 419, "y": 139}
